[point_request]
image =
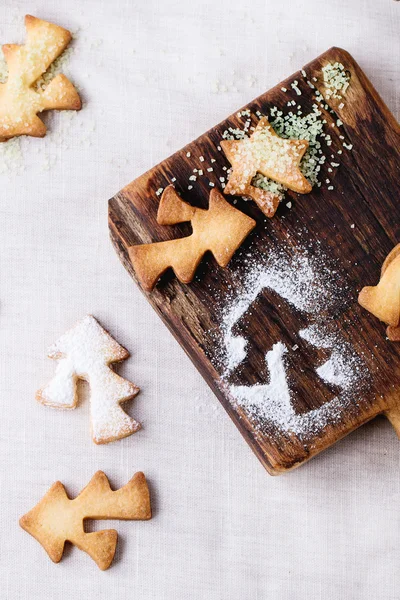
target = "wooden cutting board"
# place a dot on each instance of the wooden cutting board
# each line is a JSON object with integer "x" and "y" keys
{"x": 306, "y": 403}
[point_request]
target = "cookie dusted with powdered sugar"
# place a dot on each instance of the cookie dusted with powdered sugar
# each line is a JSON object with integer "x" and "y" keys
{"x": 87, "y": 352}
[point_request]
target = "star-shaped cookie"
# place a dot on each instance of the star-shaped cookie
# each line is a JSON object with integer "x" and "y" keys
{"x": 266, "y": 153}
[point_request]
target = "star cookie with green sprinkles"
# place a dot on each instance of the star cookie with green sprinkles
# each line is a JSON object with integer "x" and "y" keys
{"x": 266, "y": 153}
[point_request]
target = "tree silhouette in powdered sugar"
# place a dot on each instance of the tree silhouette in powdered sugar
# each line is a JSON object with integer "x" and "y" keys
{"x": 272, "y": 402}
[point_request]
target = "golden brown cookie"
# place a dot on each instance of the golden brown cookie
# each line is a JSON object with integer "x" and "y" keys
{"x": 220, "y": 229}
{"x": 383, "y": 300}
{"x": 57, "y": 519}
{"x": 20, "y": 103}
{"x": 266, "y": 153}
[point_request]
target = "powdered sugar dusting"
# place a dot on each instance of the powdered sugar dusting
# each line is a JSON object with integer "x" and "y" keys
{"x": 294, "y": 279}
{"x": 309, "y": 286}
{"x": 342, "y": 368}
{"x": 86, "y": 352}
{"x": 272, "y": 402}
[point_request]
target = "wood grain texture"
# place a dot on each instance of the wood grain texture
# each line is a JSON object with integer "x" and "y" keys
{"x": 366, "y": 193}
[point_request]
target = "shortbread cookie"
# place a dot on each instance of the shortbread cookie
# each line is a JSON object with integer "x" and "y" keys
{"x": 86, "y": 352}
{"x": 220, "y": 229}
{"x": 20, "y": 103}
{"x": 383, "y": 300}
{"x": 393, "y": 333}
{"x": 266, "y": 153}
{"x": 57, "y": 519}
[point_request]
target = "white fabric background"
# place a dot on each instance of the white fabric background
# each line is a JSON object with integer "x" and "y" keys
{"x": 222, "y": 527}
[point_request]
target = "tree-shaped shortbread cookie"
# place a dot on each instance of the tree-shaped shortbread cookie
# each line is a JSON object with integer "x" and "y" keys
{"x": 86, "y": 352}
{"x": 383, "y": 300}
{"x": 57, "y": 519}
{"x": 220, "y": 229}
{"x": 266, "y": 153}
{"x": 20, "y": 102}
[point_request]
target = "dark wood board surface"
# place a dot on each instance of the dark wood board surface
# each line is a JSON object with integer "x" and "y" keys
{"x": 366, "y": 195}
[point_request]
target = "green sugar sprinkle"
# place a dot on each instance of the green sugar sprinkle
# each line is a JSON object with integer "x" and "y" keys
{"x": 295, "y": 125}
{"x": 269, "y": 185}
{"x": 336, "y": 79}
{"x": 303, "y": 127}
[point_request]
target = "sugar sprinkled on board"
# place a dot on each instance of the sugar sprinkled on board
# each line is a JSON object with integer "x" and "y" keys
{"x": 271, "y": 402}
{"x": 342, "y": 368}
{"x": 295, "y": 279}
{"x": 306, "y": 283}
{"x": 290, "y": 123}
{"x": 296, "y": 125}
{"x": 336, "y": 80}
{"x": 294, "y": 85}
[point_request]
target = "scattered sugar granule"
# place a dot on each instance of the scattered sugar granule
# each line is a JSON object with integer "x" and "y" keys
{"x": 201, "y": 158}
{"x": 159, "y": 191}
{"x": 352, "y": 226}
{"x": 336, "y": 79}
{"x": 56, "y": 67}
{"x": 188, "y": 154}
{"x": 284, "y": 89}
{"x": 295, "y": 87}
{"x": 267, "y": 184}
{"x": 11, "y": 158}
{"x": 3, "y": 68}
{"x": 11, "y": 154}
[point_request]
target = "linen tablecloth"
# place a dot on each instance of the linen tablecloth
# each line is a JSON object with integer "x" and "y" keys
{"x": 154, "y": 75}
